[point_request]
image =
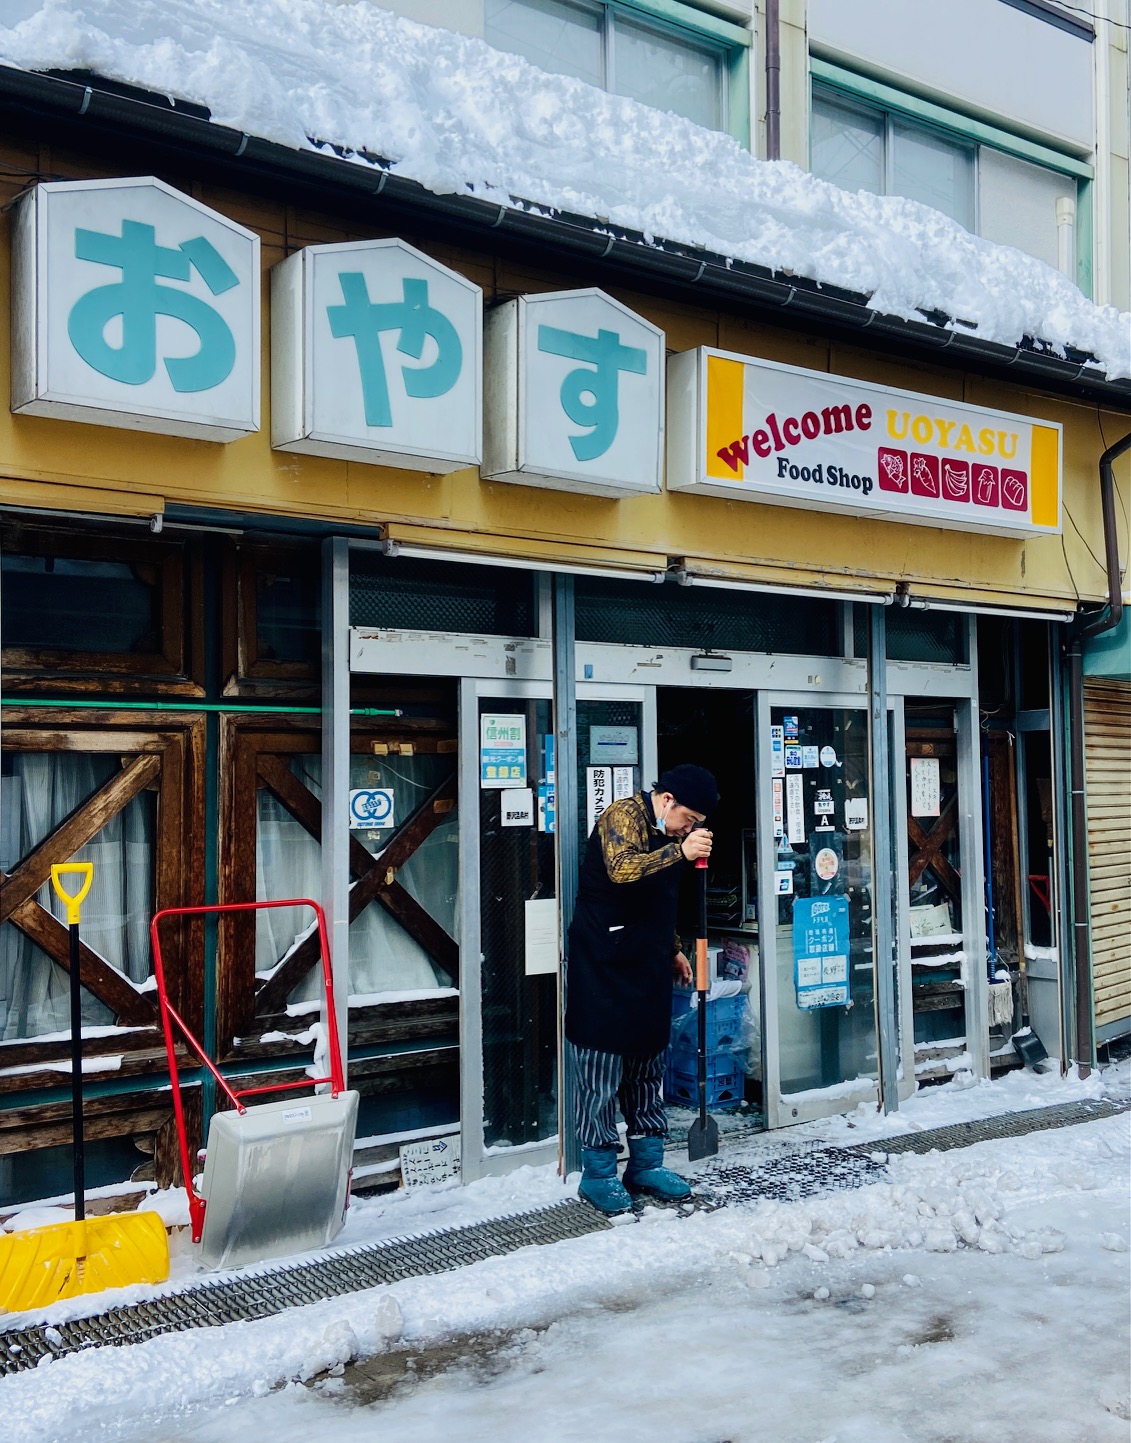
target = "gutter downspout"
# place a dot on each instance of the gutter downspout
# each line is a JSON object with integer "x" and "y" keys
{"x": 773, "y": 81}
{"x": 1107, "y": 617}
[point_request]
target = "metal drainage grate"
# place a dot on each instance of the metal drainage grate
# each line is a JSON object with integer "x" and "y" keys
{"x": 789, "y": 1177}
{"x": 987, "y": 1129}
{"x": 273, "y": 1290}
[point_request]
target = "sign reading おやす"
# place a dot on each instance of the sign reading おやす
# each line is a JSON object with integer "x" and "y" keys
{"x": 375, "y": 356}
{"x": 576, "y": 397}
{"x": 134, "y": 305}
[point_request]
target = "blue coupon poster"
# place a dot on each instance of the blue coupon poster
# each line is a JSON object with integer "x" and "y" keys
{"x": 820, "y": 952}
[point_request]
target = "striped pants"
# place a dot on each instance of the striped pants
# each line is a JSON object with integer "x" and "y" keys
{"x": 606, "y": 1078}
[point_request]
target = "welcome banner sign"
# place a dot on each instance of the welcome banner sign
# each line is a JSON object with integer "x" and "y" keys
{"x": 760, "y": 431}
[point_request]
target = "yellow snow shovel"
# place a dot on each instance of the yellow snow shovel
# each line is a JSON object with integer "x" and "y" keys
{"x": 42, "y": 1265}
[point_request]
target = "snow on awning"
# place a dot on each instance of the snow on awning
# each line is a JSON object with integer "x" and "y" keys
{"x": 459, "y": 117}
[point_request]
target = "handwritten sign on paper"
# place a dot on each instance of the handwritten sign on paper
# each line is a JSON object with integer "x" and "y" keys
{"x": 925, "y": 786}
{"x": 434, "y": 1160}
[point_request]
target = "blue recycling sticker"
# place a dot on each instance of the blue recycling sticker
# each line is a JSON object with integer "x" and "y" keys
{"x": 371, "y": 807}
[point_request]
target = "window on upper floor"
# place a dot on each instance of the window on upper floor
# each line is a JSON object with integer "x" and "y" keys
{"x": 620, "y": 50}
{"x": 1008, "y": 200}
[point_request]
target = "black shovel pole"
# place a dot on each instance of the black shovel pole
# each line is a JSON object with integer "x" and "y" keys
{"x": 76, "y": 1077}
{"x": 703, "y": 1135}
{"x": 73, "y": 903}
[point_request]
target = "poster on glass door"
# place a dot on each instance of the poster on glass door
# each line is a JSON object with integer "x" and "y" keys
{"x": 603, "y": 786}
{"x": 820, "y": 951}
{"x": 502, "y": 750}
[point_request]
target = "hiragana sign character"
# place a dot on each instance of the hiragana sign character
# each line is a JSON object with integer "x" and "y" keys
{"x": 140, "y": 297}
{"x": 589, "y": 397}
{"x": 415, "y": 320}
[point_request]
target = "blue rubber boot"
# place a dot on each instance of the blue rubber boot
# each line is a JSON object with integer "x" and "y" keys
{"x": 646, "y": 1171}
{"x": 599, "y": 1183}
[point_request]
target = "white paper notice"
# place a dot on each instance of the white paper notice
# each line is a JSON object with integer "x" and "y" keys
{"x": 795, "y": 807}
{"x": 517, "y": 807}
{"x": 433, "y": 1160}
{"x": 856, "y": 814}
{"x": 598, "y": 794}
{"x": 542, "y": 948}
{"x": 622, "y": 783}
{"x": 924, "y": 786}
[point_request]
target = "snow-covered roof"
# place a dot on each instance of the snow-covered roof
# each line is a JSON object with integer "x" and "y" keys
{"x": 459, "y": 117}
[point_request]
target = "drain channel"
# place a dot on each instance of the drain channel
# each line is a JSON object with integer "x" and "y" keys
{"x": 988, "y": 1129}
{"x": 791, "y": 1173}
{"x": 269, "y": 1291}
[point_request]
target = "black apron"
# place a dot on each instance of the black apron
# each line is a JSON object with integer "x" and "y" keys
{"x": 621, "y": 947}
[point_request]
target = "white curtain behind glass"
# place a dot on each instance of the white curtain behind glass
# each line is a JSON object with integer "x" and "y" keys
{"x": 383, "y": 957}
{"x": 41, "y": 790}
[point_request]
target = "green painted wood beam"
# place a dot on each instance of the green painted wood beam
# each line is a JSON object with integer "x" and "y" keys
{"x": 697, "y": 21}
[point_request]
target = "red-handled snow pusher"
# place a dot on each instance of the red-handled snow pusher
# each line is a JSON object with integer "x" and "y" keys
{"x": 276, "y": 1176}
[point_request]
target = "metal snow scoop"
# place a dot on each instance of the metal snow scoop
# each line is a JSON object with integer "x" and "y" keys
{"x": 276, "y": 1176}
{"x": 42, "y": 1265}
{"x": 703, "y": 1135}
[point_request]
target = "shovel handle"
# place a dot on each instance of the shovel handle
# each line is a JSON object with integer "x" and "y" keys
{"x": 702, "y": 979}
{"x": 73, "y": 900}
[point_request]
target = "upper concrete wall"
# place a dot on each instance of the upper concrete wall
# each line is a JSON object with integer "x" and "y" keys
{"x": 991, "y": 58}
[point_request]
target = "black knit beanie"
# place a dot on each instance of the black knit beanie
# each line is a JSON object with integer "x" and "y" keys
{"x": 693, "y": 787}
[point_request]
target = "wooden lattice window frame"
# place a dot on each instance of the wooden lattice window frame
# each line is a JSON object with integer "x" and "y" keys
{"x": 156, "y": 754}
{"x": 176, "y": 667}
{"x": 255, "y": 754}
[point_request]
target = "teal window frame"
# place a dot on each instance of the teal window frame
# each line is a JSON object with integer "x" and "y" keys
{"x": 732, "y": 42}
{"x": 964, "y": 128}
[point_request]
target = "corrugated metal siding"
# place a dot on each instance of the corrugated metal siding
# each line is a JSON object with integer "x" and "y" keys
{"x": 1107, "y": 742}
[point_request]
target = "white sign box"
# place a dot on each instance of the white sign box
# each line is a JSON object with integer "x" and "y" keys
{"x": 758, "y": 431}
{"x": 376, "y": 355}
{"x": 134, "y": 306}
{"x": 574, "y": 395}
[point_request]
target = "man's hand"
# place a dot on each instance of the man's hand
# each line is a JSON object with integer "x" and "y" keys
{"x": 697, "y": 844}
{"x": 681, "y": 970}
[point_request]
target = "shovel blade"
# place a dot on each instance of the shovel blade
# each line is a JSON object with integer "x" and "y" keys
{"x": 1031, "y": 1048}
{"x": 42, "y": 1265}
{"x": 702, "y": 1139}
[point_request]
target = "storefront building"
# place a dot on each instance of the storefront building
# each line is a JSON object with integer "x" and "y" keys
{"x": 428, "y": 541}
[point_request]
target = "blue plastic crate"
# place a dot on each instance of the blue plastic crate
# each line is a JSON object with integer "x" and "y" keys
{"x": 724, "y": 1021}
{"x": 725, "y": 1081}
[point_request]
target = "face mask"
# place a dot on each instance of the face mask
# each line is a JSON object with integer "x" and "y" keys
{"x": 662, "y": 819}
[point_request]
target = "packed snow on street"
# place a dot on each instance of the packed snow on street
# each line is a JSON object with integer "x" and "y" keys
{"x": 980, "y": 1293}
{"x": 460, "y": 117}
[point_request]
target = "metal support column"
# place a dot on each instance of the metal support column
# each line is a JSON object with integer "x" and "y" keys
{"x": 967, "y": 725}
{"x": 883, "y": 896}
{"x": 336, "y": 772}
{"x": 566, "y": 840}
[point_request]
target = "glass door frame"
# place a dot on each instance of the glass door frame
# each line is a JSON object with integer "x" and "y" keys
{"x": 477, "y": 1159}
{"x": 778, "y": 1110}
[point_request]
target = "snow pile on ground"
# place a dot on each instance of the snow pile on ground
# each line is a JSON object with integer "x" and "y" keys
{"x": 460, "y": 117}
{"x": 955, "y": 1225}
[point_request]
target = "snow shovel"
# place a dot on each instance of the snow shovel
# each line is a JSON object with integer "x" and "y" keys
{"x": 43, "y": 1265}
{"x": 703, "y": 1135}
